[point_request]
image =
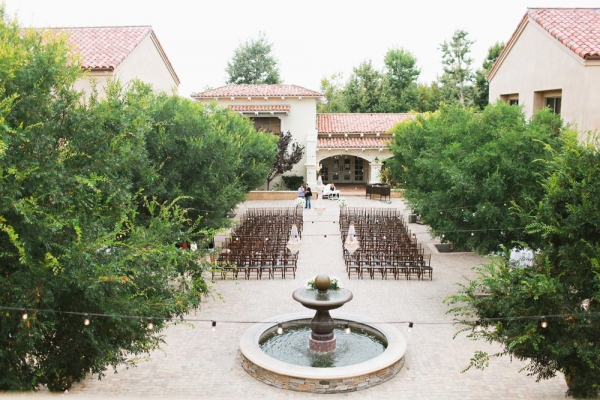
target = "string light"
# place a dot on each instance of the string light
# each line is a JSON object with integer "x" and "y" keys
{"x": 24, "y": 314}
{"x": 150, "y": 324}
{"x": 544, "y": 322}
{"x": 279, "y": 329}
{"x": 585, "y": 305}
{"x": 410, "y": 326}
{"x": 214, "y": 326}
{"x": 86, "y": 318}
{"x": 478, "y": 326}
{"x": 472, "y": 233}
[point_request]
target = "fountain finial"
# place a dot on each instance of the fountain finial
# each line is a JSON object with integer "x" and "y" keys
{"x": 322, "y": 283}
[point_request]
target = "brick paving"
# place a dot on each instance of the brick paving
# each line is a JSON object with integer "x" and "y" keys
{"x": 196, "y": 362}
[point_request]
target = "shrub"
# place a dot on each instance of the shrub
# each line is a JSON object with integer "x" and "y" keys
{"x": 292, "y": 182}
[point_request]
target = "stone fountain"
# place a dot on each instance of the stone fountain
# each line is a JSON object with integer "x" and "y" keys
{"x": 295, "y": 352}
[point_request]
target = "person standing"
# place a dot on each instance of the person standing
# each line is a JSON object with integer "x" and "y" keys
{"x": 307, "y": 196}
{"x": 301, "y": 191}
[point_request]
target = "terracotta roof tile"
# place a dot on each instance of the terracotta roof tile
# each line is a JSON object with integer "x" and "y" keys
{"x": 104, "y": 47}
{"x": 358, "y": 123}
{"x": 275, "y": 107}
{"x": 352, "y": 142}
{"x": 576, "y": 28}
{"x": 257, "y": 91}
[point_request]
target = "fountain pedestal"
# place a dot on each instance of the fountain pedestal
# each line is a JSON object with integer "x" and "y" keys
{"x": 322, "y": 338}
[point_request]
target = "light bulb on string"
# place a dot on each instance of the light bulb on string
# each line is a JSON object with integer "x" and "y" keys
{"x": 214, "y": 326}
{"x": 544, "y": 322}
{"x": 150, "y": 324}
{"x": 478, "y": 326}
{"x": 279, "y": 329}
{"x": 86, "y": 319}
{"x": 24, "y": 314}
{"x": 472, "y": 233}
{"x": 410, "y": 326}
{"x": 347, "y": 329}
{"x": 585, "y": 304}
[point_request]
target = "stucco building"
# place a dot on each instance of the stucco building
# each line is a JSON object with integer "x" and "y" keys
{"x": 124, "y": 53}
{"x": 553, "y": 60}
{"x": 345, "y": 148}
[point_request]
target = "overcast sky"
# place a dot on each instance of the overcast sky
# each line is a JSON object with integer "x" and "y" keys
{"x": 311, "y": 38}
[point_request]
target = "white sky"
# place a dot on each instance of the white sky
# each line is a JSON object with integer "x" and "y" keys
{"x": 311, "y": 38}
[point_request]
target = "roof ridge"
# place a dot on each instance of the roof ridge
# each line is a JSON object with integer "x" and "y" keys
{"x": 95, "y": 27}
{"x": 563, "y": 8}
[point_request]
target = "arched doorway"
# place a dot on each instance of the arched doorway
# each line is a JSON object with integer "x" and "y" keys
{"x": 344, "y": 168}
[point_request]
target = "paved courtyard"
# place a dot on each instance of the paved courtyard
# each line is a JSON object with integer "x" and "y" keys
{"x": 196, "y": 362}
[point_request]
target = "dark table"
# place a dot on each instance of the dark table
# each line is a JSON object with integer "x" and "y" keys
{"x": 381, "y": 189}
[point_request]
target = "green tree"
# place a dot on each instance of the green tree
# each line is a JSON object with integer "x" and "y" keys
{"x": 252, "y": 63}
{"x": 70, "y": 239}
{"x": 429, "y": 97}
{"x": 91, "y": 210}
{"x": 563, "y": 283}
{"x": 401, "y": 74}
{"x": 457, "y": 78}
{"x": 207, "y": 155}
{"x": 332, "y": 87}
{"x": 464, "y": 170}
{"x": 482, "y": 87}
{"x": 371, "y": 91}
{"x": 364, "y": 92}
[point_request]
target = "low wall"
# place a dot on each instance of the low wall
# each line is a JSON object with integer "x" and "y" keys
{"x": 341, "y": 385}
{"x": 272, "y": 195}
{"x": 292, "y": 194}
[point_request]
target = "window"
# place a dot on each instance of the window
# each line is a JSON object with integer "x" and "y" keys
{"x": 267, "y": 124}
{"x": 512, "y": 99}
{"x": 325, "y": 173}
{"x": 554, "y": 104}
{"x": 358, "y": 169}
{"x": 548, "y": 98}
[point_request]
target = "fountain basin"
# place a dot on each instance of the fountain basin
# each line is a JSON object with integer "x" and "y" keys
{"x": 322, "y": 380}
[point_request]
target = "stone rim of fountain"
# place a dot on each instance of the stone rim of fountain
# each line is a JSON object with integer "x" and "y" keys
{"x": 368, "y": 373}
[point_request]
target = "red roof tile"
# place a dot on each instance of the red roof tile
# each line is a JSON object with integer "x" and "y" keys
{"x": 275, "y": 107}
{"x": 358, "y": 123}
{"x": 352, "y": 142}
{"x": 104, "y": 47}
{"x": 257, "y": 91}
{"x": 576, "y": 28}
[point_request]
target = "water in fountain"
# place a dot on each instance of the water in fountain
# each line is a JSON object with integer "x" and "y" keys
{"x": 351, "y": 348}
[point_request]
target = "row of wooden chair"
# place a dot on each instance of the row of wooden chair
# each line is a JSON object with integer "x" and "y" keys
{"x": 256, "y": 264}
{"x": 383, "y": 264}
{"x": 258, "y": 245}
{"x": 386, "y": 245}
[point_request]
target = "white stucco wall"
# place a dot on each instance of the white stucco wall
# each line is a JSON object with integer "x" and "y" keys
{"x": 301, "y": 122}
{"x": 146, "y": 62}
{"x": 538, "y": 62}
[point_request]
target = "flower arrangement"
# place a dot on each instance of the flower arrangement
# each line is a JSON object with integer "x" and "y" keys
{"x": 300, "y": 202}
{"x": 342, "y": 202}
{"x": 334, "y": 285}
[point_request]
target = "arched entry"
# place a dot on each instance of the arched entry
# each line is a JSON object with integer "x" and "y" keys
{"x": 344, "y": 168}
